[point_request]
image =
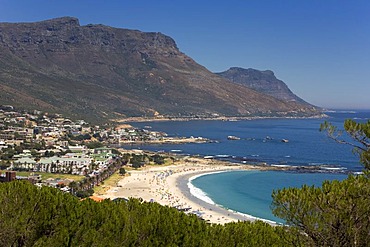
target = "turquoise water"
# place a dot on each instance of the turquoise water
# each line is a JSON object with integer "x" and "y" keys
{"x": 249, "y": 192}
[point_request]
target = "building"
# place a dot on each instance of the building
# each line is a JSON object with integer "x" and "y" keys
{"x": 9, "y": 176}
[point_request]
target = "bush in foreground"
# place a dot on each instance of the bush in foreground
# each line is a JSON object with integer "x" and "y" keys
{"x": 32, "y": 216}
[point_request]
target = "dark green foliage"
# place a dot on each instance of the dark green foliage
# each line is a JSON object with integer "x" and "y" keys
{"x": 84, "y": 193}
{"x": 93, "y": 145}
{"x": 336, "y": 214}
{"x": 80, "y": 137}
{"x": 84, "y": 188}
{"x": 32, "y": 216}
{"x": 29, "y": 213}
{"x": 122, "y": 171}
{"x": 360, "y": 136}
{"x": 158, "y": 159}
{"x": 249, "y": 234}
{"x": 139, "y": 160}
{"x": 4, "y": 164}
{"x": 47, "y": 153}
{"x": 7, "y": 154}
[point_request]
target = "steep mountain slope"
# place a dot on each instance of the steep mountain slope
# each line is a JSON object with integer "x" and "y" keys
{"x": 99, "y": 72}
{"x": 262, "y": 81}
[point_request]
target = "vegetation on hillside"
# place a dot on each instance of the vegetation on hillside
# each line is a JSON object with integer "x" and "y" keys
{"x": 32, "y": 216}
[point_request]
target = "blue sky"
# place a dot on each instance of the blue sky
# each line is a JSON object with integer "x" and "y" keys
{"x": 320, "y": 48}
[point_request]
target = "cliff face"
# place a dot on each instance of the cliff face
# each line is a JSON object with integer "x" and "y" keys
{"x": 99, "y": 72}
{"x": 262, "y": 81}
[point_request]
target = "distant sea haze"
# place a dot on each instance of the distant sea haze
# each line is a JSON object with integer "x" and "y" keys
{"x": 261, "y": 142}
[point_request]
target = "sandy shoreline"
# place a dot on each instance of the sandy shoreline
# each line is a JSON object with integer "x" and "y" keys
{"x": 167, "y": 185}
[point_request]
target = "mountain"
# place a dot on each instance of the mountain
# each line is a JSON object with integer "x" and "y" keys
{"x": 98, "y": 72}
{"x": 262, "y": 81}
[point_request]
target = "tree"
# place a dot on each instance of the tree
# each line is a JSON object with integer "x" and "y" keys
{"x": 359, "y": 134}
{"x": 338, "y": 213}
{"x": 18, "y": 149}
{"x": 74, "y": 186}
{"x": 122, "y": 171}
{"x": 93, "y": 145}
{"x": 35, "y": 153}
{"x": 49, "y": 153}
{"x": 84, "y": 193}
{"x": 158, "y": 159}
{"x": 45, "y": 216}
{"x": 4, "y": 164}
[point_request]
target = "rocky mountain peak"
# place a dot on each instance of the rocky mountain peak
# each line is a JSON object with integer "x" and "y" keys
{"x": 262, "y": 81}
{"x": 63, "y": 21}
{"x": 99, "y": 72}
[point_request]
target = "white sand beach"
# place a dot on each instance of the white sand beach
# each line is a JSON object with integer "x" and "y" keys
{"x": 167, "y": 185}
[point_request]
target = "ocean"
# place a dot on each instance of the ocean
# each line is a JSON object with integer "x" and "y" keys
{"x": 249, "y": 192}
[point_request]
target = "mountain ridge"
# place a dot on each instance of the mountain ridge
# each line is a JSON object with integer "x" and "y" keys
{"x": 101, "y": 72}
{"x": 263, "y": 81}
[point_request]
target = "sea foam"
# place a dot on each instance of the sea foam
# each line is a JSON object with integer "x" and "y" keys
{"x": 198, "y": 193}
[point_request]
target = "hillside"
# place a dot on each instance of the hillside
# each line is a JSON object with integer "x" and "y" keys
{"x": 98, "y": 72}
{"x": 262, "y": 81}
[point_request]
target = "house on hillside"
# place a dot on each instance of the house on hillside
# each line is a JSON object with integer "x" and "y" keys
{"x": 78, "y": 149}
{"x": 3, "y": 145}
{"x": 103, "y": 150}
{"x": 103, "y": 156}
{"x": 24, "y": 163}
{"x": 56, "y": 164}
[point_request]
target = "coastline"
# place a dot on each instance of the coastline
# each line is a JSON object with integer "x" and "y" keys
{"x": 226, "y": 215}
{"x": 167, "y": 140}
{"x": 221, "y": 118}
{"x": 168, "y": 186}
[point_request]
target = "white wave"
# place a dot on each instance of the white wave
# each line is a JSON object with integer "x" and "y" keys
{"x": 280, "y": 165}
{"x": 204, "y": 174}
{"x": 352, "y": 112}
{"x": 255, "y": 218}
{"x": 222, "y": 155}
{"x": 208, "y": 157}
{"x": 200, "y": 194}
{"x": 333, "y": 111}
{"x": 358, "y": 173}
{"x": 333, "y": 168}
{"x": 315, "y": 164}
